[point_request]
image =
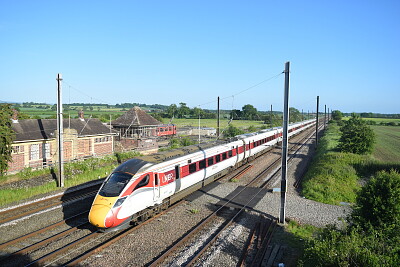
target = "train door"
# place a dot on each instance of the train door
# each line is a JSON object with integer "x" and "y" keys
{"x": 177, "y": 178}
{"x": 156, "y": 192}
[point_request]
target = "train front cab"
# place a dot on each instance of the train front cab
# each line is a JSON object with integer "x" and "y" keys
{"x": 124, "y": 190}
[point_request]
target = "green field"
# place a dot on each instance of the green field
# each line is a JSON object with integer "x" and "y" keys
{"x": 379, "y": 120}
{"x": 387, "y": 147}
{"x": 47, "y": 113}
{"x": 244, "y": 124}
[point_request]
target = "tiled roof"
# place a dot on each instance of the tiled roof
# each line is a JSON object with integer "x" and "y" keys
{"x": 39, "y": 129}
{"x": 135, "y": 117}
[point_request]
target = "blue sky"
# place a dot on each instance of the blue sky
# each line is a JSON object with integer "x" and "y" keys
{"x": 164, "y": 52}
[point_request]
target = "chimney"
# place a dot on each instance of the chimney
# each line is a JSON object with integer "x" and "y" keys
{"x": 80, "y": 115}
{"x": 14, "y": 116}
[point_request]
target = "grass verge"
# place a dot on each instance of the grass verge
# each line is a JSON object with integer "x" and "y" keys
{"x": 75, "y": 173}
{"x": 335, "y": 177}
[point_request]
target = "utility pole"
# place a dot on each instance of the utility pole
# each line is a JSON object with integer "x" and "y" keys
{"x": 218, "y": 119}
{"x": 271, "y": 117}
{"x": 60, "y": 133}
{"x": 325, "y": 119}
{"x": 284, "y": 144}
{"x": 316, "y": 127}
{"x": 328, "y": 114}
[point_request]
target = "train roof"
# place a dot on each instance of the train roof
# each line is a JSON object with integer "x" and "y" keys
{"x": 131, "y": 166}
{"x": 179, "y": 152}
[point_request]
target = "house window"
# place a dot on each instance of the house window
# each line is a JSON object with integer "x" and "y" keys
{"x": 34, "y": 152}
{"x": 46, "y": 151}
{"x": 17, "y": 149}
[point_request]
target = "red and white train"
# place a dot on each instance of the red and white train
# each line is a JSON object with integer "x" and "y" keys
{"x": 141, "y": 185}
{"x": 166, "y": 130}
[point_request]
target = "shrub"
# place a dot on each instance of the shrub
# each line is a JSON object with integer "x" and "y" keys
{"x": 232, "y": 131}
{"x": 356, "y": 136}
{"x": 378, "y": 204}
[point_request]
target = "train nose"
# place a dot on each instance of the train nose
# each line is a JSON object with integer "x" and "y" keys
{"x": 101, "y": 216}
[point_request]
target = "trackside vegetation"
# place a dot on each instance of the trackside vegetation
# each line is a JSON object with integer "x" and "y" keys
{"x": 75, "y": 173}
{"x": 371, "y": 234}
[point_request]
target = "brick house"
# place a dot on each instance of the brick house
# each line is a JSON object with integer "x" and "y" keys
{"x": 36, "y": 144}
{"x": 137, "y": 130}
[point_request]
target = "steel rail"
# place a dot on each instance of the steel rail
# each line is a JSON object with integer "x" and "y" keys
{"x": 32, "y": 211}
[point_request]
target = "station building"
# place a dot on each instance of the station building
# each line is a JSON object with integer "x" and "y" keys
{"x": 36, "y": 143}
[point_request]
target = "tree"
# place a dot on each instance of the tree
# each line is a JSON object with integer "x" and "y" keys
{"x": 249, "y": 112}
{"x": 6, "y": 137}
{"x": 337, "y": 115}
{"x": 232, "y": 131}
{"x": 172, "y": 110}
{"x": 236, "y": 114}
{"x": 357, "y": 137}
{"x": 183, "y": 110}
{"x": 196, "y": 112}
{"x": 294, "y": 115}
{"x": 377, "y": 205}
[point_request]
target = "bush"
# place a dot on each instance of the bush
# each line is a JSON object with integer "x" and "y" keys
{"x": 378, "y": 205}
{"x": 349, "y": 247}
{"x": 356, "y": 136}
{"x": 232, "y": 131}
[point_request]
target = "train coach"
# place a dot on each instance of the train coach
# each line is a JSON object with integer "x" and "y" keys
{"x": 166, "y": 130}
{"x": 142, "y": 186}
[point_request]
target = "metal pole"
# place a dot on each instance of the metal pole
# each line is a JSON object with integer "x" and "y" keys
{"x": 218, "y": 119}
{"x": 271, "y": 117}
{"x": 316, "y": 126}
{"x": 325, "y": 119}
{"x": 328, "y": 114}
{"x": 284, "y": 144}
{"x": 199, "y": 127}
{"x": 60, "y": 128}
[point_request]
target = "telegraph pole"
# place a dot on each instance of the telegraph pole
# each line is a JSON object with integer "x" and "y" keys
{"x": 60, "y": 133}
{"x": 218, "y": 119}
{"x": 284, "y": 144}
{"x": 316, "y": 127}
{"x": 325, "y": 119}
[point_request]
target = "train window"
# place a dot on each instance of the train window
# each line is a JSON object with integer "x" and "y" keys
{"x": 192, "y": 168}
{"x": 156, "y": 178}
{"x": 224, "y": 156}
{"x": 230, "y": 153}
{"x": 143, "y": 182}
{"x": 217, "y": 158}
{"x": 210, "y": 161}
{"x": 115, "y": 184}
{"x": 202, "y": 164}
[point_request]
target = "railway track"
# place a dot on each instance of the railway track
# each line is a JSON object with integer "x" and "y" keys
{"x": 71, "y": 251}
{"x": 205, "y": 234}
{"x": 9, "y": 215}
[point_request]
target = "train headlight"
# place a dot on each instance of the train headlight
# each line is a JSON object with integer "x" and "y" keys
{"x": 119, "y": 202}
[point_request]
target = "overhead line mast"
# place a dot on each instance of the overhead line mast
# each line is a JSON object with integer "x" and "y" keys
{"x": 284, "y": 144}
{"x": 60, "y": 132}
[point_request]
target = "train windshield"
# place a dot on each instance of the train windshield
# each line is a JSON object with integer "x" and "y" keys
{"x": 115, "y": 184}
